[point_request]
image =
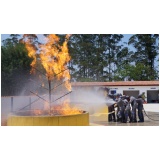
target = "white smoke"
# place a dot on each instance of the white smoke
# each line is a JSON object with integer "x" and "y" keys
{"x": 90, "y": 100}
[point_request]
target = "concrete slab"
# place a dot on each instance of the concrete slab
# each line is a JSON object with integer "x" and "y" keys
{"x": 151, "y": 107}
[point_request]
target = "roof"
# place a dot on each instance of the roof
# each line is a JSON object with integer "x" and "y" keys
{"x": 118, "y": 83}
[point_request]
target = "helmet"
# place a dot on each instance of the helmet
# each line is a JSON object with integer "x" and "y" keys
{"x": 118, "y": 94}
{"x": 132, "y": 99}
{"x": 139, "y": 96}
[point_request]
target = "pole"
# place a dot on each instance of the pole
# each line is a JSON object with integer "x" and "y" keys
{"x": 30, "y": 103}
{"x": 49, "y": 83}
{"x": 11, "y": 104}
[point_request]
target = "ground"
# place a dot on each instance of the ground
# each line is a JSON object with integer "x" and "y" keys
{"x": 147, "y": 121}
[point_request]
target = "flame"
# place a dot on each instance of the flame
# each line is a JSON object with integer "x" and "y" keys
{"x": 54, "y": 58}
{"x": 67, "y": 110}
{"x": 63, "y": 109}
{"x": 31, "y": 53}
{"x": 37, "y": 112}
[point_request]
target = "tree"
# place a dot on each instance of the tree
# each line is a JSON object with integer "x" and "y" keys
{"x": 81, "y": 48}
{"x": 93, "y": 56}
{"x": 123, "y": 64}
{"x": 113, "y": 48}
{"x": 146, "y": 50}
{"x": 15, "y": 66}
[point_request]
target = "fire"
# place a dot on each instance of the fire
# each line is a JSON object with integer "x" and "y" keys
{"x": 65, "y": 109}
{"x": 31, "y": 53}
{"x": 37, "y": 112}
{"x": 54, "y": 59}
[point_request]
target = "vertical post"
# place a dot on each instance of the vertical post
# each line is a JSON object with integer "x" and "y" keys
{"x": 49, "y": 83}
{"x": 11, "y": 104}
{"x": 30, "y": 103}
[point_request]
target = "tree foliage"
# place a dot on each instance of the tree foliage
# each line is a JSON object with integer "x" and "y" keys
{"x": 15, "y": 65}
{"x": 93, "y": 56}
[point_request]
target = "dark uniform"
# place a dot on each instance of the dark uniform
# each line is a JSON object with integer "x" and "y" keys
{"x": 111, "y": 109}
{"x": 127, "y": 111}
{"x": 134, "y": 107}
{"x": 140, "y": 109}
{"x": 120, "y": 110}
{"x": 142, "y": 95}
{"x": 111, "y": 113}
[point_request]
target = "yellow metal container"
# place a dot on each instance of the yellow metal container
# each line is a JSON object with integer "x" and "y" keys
{"x": 67, "y": 120}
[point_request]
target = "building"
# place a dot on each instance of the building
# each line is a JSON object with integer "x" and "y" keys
{"x": 130, "y": 88}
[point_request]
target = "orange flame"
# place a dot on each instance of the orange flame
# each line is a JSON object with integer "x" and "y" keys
{"x": 54, "y": 59}
{"x": 65, "y": 109}
{"x": 31, "y": 54}
{"x": 37, "y": 112}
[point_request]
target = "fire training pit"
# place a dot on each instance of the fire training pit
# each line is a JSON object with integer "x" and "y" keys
{"x": 53, "y": 58}
{"x": 28, "y": 118}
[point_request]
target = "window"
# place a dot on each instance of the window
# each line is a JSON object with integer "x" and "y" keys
{"x": 113, "y": 91}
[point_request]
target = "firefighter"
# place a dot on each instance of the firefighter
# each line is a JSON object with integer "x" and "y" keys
{"x": 140, "y": 108}
{"x": 127, "y": 111}
{"x": 111, "y": 109}
{"x": 142, "y": 95}
{"x": 120, "y": 108}
{"x": 134, "y": 107}
{"x": 111, "y": 113}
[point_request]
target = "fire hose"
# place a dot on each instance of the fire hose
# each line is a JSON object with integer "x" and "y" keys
{"x": 148, "y": 116}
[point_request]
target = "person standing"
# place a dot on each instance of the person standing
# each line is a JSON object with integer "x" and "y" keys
{"x": 134, "y": 107}
{"x": 127, "y": 111}
{"x": 142, "y": 95}
{"x": 140, "y": 108}
{"x": 120, "y": 108}
{"x": 111, "y": 109}
{"x": 111, "y": 113}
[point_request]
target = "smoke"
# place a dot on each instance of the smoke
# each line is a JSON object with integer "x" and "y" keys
{"x": 90, "y": 100}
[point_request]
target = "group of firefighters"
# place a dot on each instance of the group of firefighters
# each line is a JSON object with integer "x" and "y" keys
{"x": 125, "y": 109}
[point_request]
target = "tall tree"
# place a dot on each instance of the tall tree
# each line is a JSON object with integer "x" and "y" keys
{"x": 94, "y": 56}
{"x": 147, "y": 49}
{"x": 15, "y": 66}
{"x": 81, "y": 48}
{"x": 113, "y": 47}
{"x": 123, "y": 64}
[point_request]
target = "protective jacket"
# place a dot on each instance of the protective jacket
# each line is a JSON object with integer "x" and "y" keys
{"x": 140, "y": 109}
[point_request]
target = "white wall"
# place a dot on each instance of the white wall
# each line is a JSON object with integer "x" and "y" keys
{"x": 120, "y": 89}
